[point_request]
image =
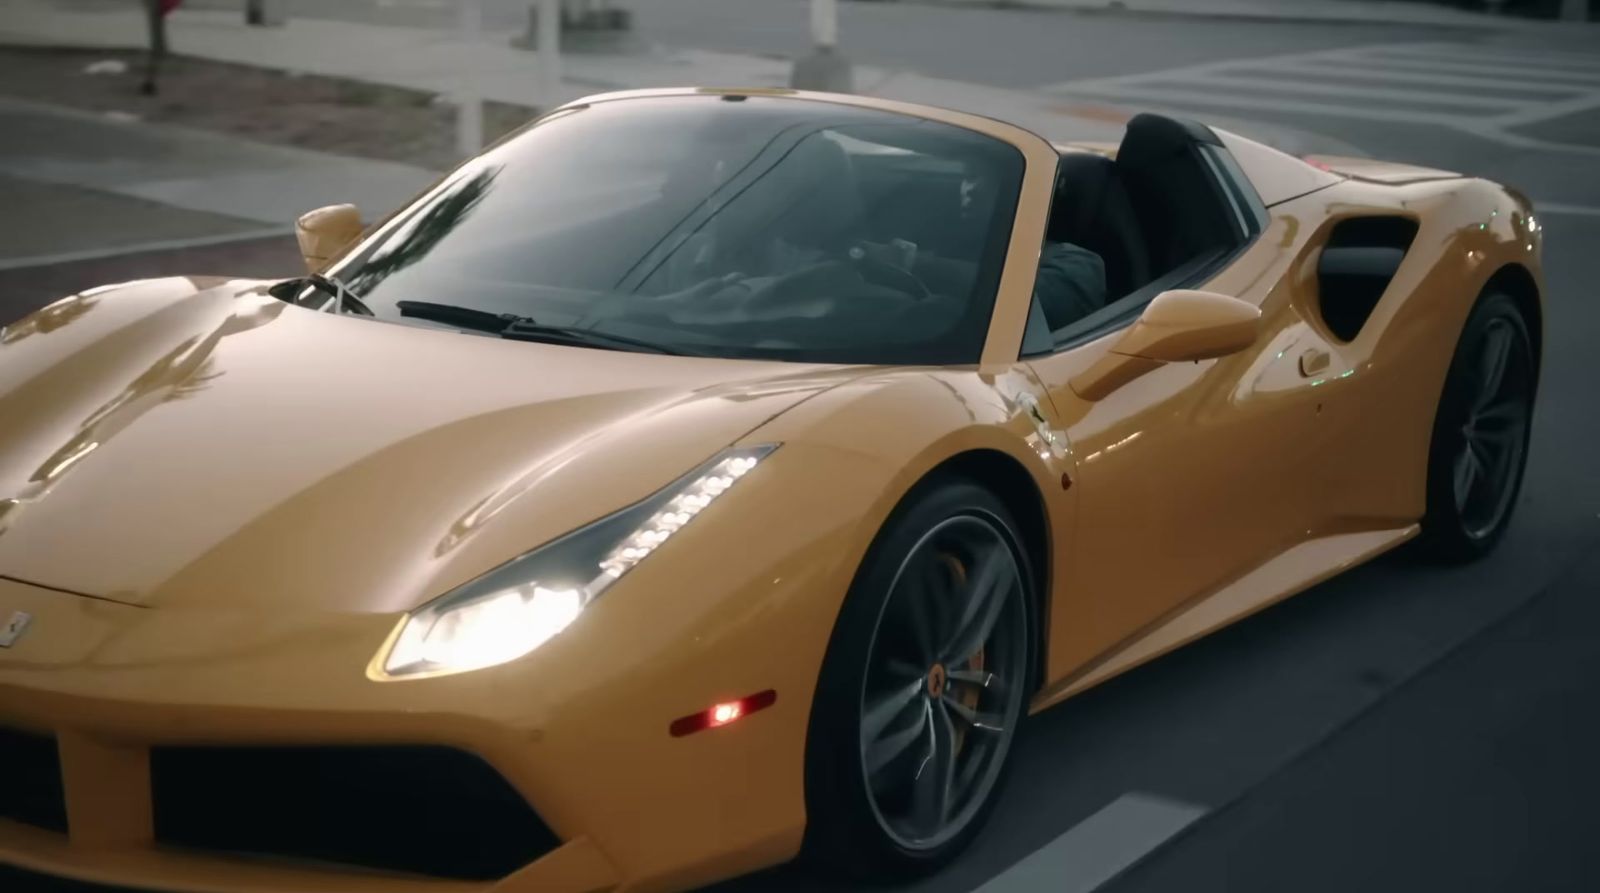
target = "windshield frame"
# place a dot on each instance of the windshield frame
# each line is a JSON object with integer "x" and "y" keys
{"x": 1001, "y": 345}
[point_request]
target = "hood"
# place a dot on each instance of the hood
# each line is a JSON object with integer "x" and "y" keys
{"x": 198, "y": 443}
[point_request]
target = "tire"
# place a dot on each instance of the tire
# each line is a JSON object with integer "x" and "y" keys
{"x": 1479, "y": 448}
{"x": 891, "y": 720}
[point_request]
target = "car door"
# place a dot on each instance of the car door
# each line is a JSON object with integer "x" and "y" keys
{"x": 1194, "y": 473}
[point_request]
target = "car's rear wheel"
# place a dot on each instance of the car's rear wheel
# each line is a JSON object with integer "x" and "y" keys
{"x": 923, "y": 688}
{"x": 1480, "y": 434}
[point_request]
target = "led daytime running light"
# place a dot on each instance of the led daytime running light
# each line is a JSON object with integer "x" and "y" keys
{"x": 682, "y": 508}
{"x": 519, "y": 606}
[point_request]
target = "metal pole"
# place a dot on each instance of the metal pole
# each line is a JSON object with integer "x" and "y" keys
{"x": 266, "y": 12}
{"x": 549, "y": 52}
{"x": 469, "y": 103}
{"x": 825, "y": 68}
{"x": 825, "y": 23}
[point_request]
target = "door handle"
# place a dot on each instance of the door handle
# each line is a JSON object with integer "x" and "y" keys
{"x": 1313, "y": 361}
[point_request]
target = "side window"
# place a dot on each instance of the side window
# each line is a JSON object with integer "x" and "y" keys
{"x": 1167, "y": 213}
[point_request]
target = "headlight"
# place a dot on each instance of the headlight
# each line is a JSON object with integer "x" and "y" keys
{"x": 519, "y": 605}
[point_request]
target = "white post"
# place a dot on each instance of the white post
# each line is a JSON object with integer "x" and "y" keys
{"x": 825, "y": 68}
{"x": 265, "y": 12}
{"x": 549, "y": 52}
{"x": 469, "y": 103}
{"x": 1575, "y": 10}
{"x": 825, "y": 23}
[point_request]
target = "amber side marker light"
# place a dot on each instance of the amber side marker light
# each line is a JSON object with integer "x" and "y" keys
{"x": 722, "y": 714}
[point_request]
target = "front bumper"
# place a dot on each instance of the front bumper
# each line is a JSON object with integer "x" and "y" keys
{"x": 106, "y": 683}
{"x": 578, "y": 729}
{"x": 579, "y": 733}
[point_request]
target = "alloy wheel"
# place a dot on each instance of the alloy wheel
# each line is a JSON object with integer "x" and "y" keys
{"x": 945, "y": 682}
{"x": 1494, "y": 430}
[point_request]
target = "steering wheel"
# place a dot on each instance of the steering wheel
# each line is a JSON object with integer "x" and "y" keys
{"x": 888, "y": 275}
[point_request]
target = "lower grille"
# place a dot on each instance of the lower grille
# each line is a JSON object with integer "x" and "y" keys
{"x": 420, "y": 810}
{"x": 31, "y": 790}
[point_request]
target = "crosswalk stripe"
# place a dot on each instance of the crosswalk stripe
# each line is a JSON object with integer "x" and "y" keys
{"x": 1320, "y": 68}
{"x": 1163, "y": 95}
{"x": 1436, "y": 84}
{"x": 1469, "y": 53}
{"x": 1322, "y": 88}
{"x": 1224, "y": 65}
{"x": 1442, "y": 65}
{"x": 1551, "y": 110}
{"x": 1543, "y": 208}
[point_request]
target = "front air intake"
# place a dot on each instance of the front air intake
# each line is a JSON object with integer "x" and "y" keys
{"x": 31, "y": 792}
{"x": 419, "y": 810}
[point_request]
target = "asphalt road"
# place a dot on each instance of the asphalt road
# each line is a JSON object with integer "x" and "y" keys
{"x": 1404, "y": 727}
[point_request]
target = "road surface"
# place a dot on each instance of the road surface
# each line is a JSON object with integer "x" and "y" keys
{"x": 1401, "y": 728}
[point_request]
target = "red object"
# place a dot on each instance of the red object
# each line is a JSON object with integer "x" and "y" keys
{"x": 167, "y": 6}
{"x": 722, "y": 714}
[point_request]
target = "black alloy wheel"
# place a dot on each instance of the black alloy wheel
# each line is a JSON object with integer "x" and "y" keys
{"x": 923, "y": 689}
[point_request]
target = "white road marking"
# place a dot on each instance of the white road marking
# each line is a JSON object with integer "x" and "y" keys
{"x": 1552, "y": 110}
{"x": 1401, "y": 61}
{"x": 1321, "y": 68}
{"x": 67, "y": 257}
{"x": 1182, "y": 97}
{"x": 1540, "y": 209}
{"x": 1534, "y": 59}
{"x": 1324, "y": 88}
{"x": 1098, "y": 848}
{"x": 1470, "y": 89}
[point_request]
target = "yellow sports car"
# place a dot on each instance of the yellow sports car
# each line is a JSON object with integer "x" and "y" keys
{"x": 697, "y": 479}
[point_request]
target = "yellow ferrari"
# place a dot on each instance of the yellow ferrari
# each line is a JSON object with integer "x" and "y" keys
{"x": 700, "y": 479}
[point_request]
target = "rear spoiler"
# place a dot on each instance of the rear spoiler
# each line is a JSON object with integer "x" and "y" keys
{"x": 1373, "y": 171}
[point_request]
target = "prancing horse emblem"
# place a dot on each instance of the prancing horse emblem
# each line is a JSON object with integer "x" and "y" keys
{"x": 14, "y": 628}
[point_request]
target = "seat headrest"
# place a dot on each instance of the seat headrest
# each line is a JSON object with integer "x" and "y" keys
{"x": 825, "y": 191}
{"x": 1152, "y": 138}
{"x": 1082, "y": 179}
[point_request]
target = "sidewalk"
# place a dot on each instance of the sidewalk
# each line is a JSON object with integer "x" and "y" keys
{"x": 441, "y": 62}
{"x": 191, "y": 170}
{"x": 183, "y": 182}
{"x": 1333, "y": 12}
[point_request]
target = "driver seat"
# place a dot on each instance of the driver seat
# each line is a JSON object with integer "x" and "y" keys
{"x": 1093, "y": 210}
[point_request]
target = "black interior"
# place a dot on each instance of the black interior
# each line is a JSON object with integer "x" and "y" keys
{"x": 1361, "y": 258}
{"x": 1156, "y": 209}
{"x": 1093, "y": 210}
{"x": 1182, "y": 209}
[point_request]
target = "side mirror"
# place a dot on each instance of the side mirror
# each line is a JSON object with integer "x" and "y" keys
{"x": 325, "y": 232}
{"x": 1178, "y": 326}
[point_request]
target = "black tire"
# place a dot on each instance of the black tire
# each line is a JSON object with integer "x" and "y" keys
{"x": 1479, "y": 447}
{"x": 947, "y": 541}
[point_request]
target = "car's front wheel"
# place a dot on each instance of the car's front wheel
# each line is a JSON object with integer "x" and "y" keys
{"x": 923, "y": 688}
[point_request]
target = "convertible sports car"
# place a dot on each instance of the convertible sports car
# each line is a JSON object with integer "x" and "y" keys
{"x": 700, "y": 478}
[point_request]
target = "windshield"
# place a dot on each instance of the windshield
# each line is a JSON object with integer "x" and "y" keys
{"x": 750, "y": 227}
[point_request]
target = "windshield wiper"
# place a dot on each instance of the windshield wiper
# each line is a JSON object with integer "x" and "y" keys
{"x": 342, "y": 295}
{"x": 462, "y": 317}
{"x": 526, "y": 328}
